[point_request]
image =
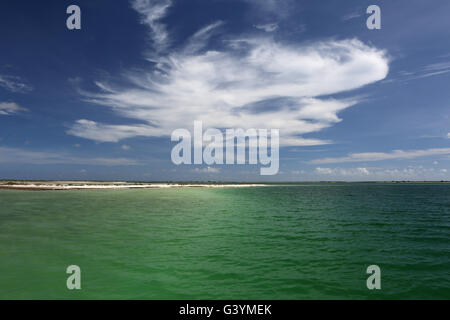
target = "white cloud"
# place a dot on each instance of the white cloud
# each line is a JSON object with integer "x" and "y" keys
{"x": 352, "y": 15}
{"x": 277, "y": 8}
{"x": 343, "y": 171}
{"x": 448, "y": 135}
{"x": 411, "y": 173}
{"x": 269, "y": 27}
{"x": 251, "y": 83}
{"x": 379, "y": 156}
{"x": 207, "y": 170}
{"x": 8, "y": 108}
{"x": 363, "y": 171}
{"x": 439, "y": 66}
{"x": 379, "y": 174}
{"x": 199, "y": 40}
{"x": 125, "y": 147}
{"x": 324, "y": 170}
{"x": 110, "y": 133}
{"x": 427, "y": 71}
{"x": 15, "y": 155}
{"x": 14, "y": 84}
{"x": 151, "y": 11}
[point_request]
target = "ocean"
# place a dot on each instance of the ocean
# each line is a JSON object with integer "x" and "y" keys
{"x": 303, "y": 241}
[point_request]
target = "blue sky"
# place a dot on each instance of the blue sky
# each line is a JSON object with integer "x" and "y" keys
{"x": 101, "y": 102}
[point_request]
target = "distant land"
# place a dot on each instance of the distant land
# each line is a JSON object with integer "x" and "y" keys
{"x": 93, "y": 184}
{"x": 81, "y": 185}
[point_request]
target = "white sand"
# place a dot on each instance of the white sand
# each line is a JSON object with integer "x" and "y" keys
{"x": 102, "y": 185}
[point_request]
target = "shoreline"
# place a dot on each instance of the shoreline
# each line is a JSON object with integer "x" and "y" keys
{"x": 41, "y": 185}
{"x": 116, "y": 186}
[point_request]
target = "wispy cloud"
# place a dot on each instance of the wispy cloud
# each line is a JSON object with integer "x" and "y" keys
{"x": 226, "y": 89}
{"x": 125, "y": 147}
{"x": 110, "y": 133}
{"x": 351, "y": 15}
{"x": 434, "y": 70}
{"x": 207, "y": 170}
{"x": 275, "y": 8}
{"x": 430, "y": 70}
{"x": 14, "y": 84}
{"x": 250, "y": 83}
{"x": 379, "y": 156}
{"x": 375, "y": 173}
{"x": 199, "y": 40}
{"x": 16, "y": 155}
{"x": 151, "y": 11}
{"x": 268, "y": 27}
{"x": 440, "y": 66}
{"x": 9, "y": 108}
{"x": 342, "y": 171}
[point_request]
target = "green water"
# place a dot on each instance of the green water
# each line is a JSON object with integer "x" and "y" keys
{"x": 279, "y": 242}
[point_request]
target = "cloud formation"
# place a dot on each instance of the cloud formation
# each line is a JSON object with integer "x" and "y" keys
{"x": 125, "y": 147}
{"x": 151, "y": 11}
{"x": 379, "y": 156}
{"x": 430, "y": 70}
{"x": 15, "y": 155}
{"x": 342, "y": 171}
{"x": 276, "y": 8}
{"x": 380, "y": 174}
{"x": 9, "y": 108}
{"x": 269, "y": 27}
{"x": 249, "y": 83}
{"x": 14, "y": 84}
{"x": 352, "y": 15}
{"x": 207, "y": 170}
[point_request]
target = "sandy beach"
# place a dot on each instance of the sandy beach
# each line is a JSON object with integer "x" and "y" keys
{"x": 82, "y": 185}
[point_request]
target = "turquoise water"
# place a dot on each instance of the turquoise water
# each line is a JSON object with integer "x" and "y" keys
{"x": 311, "y": 241}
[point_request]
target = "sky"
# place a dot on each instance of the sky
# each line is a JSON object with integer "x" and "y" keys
{"x": 101, "y": 103}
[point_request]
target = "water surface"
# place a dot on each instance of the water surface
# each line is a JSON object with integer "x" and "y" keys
{"x": 311, "y": 241}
